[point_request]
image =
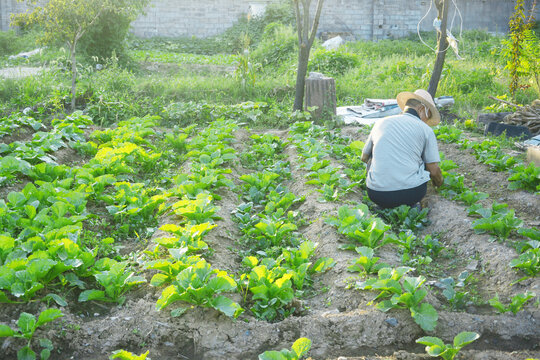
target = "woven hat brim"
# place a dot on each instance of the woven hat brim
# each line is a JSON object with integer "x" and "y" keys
{"x": 403, "y": 97}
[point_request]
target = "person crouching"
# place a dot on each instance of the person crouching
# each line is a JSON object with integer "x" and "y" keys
{"x": 402, "y": 153}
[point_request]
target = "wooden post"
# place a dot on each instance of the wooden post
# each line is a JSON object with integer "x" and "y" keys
{"x": 320, "y": 92}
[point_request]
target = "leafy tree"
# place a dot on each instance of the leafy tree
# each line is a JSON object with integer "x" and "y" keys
{"x": 68, "y": 20}
{"x": 521, "y": 49}
{"x": 306, "y": 35}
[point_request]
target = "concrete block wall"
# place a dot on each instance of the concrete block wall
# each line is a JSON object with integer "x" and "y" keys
{"x": 174, "y": 18}
{"x": 352, "y": 19}
{"x": 8, "y": 7}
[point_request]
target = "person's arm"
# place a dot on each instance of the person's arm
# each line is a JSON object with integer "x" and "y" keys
{"x": 435, "y": 173}
{"x": 367, "y": 151}
{"x": 366, "y": 157}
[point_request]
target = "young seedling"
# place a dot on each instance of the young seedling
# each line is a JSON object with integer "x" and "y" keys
{"x": 271, "y": 288}
{"x": 527, "y": 178}
{"x": 516, "y": 304}
{"x": 359, "y": 227}
{"x": 299, "y": 349}
{"x": 201, "y": 285}
{"x": 436, "y": 347}
{"x": 500, "y": 225}
{"x": 367, "y": 262}
{"x": 403, "y": 218}
{"x": 27, "y": 327}
{"x": 459, "y": 292}
{"x": 116, "y": 279}
{"x": 529, "y": 260}
{"x": 409, "y": 295}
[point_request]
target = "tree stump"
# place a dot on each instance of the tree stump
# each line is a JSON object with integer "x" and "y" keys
{"x": 320, "y": 93}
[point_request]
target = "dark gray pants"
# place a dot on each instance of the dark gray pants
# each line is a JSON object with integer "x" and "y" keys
{"x": 391, "y": 199}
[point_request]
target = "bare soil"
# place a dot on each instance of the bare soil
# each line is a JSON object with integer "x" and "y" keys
{"x": 336, "y": 318}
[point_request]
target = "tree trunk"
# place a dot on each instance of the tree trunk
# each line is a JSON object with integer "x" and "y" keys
{"x": 442, "y": 46}
{"x": 73, "y": 76}
{"x": 303, "y": 59}
{"x": 306, "y": 34}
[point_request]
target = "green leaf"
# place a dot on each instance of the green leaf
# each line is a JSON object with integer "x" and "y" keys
{"x": 178, "y": 312}
{"x": 126, "y": 355}
{"x": 16, "y": 199}
{"x": 46, "y": 343}
{"x": 6, "y": 243}
{"x": 26, "y": 354}
{"x": 385, "y": 305}
{"x": 437, "y": 350}
{"x": 4, "y": 298}
{"x": 48, "y": 315}
{"x": 88, "y": 295}
{"x": 272, "y": 355}
{"x": 425, "y": 316}
{"x": 45, "y": 354}
{"x": 226, "y": 306}
{"x": 221, "y": 284}
{"x": 57, "y": 299}
{"x": 430, "y": 340}
{"x": 159, "y": 279}
{"x": 27, "y": 323}
{"x": 465, "y": 338}
{"x": 6, "y": 331}
{"x": 322, "y": 264}
{"x": 301, "y": 346}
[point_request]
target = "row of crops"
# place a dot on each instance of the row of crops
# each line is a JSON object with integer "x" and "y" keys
{"x": 60, "y": 232}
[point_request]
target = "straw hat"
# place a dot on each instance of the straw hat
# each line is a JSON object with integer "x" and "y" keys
{"x": 425, "y": 98}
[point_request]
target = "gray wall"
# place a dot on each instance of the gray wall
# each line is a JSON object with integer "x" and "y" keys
{"x": 7, "y": 7}
{"x": 353, "y": 19}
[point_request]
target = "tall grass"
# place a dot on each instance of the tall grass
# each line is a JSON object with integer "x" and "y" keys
{"x": 361, "y": 70}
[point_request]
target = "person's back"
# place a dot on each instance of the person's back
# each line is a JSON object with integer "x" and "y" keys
{"x": 400, "y": 146}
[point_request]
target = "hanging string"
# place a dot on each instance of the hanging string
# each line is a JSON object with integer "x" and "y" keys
{"x": 418, "y": 28}
{"x": 460, "y": 19}
{"x": 456, "y": 11}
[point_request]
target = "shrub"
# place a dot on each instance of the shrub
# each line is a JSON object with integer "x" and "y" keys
{"x": 332, "y": 62}
{"x": 9, "y": 42}
{"x": 107, "y": 36}
{"x": 278, "y": 45}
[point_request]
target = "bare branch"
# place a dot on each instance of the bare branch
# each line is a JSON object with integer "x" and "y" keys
{"x": 298, "y": 21}
{"x": 305, "y": 27}
{"x": 315, "y": 22}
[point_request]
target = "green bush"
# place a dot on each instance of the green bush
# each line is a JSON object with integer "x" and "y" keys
{"x": 108, "y": 34}
{"x": 106, "y": 37}
{"x": 9, "y": 42}
{"x": 332, "y": 62}
{"x": 254, "y": 28}
{"x": 278, "y": 45}
{"x": 468, "y": 81}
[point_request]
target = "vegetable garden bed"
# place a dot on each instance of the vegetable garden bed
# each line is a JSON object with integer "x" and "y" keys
{"x": 264, "y": 237}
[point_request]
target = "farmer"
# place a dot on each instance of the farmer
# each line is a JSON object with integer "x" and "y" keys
{"x": 402, "y": 154}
